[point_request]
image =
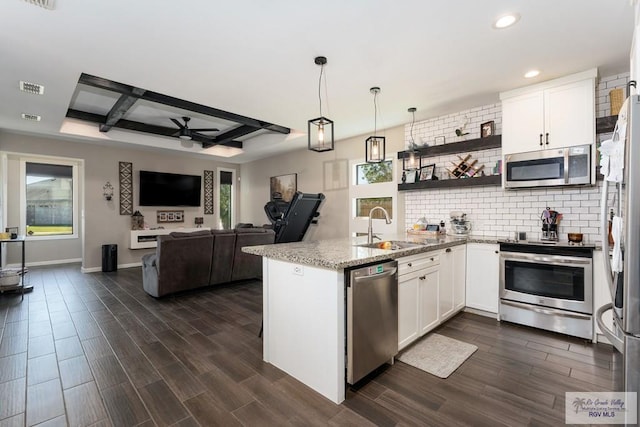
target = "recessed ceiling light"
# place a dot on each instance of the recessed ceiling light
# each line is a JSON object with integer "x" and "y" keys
{"x": 531, "y": 74}
{"x": 507, "y": 20}
{"x": 34, "y": 88}
{"x": 31, "y": 117}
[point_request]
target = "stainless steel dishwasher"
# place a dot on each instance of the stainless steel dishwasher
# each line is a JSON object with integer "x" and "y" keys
{"x": 372, "y": 318}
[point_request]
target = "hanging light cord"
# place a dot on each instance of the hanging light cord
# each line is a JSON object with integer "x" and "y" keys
{"x": 413, "y": 120}
{"x": 375, "y": 113}
{"x": 319, "y": 86}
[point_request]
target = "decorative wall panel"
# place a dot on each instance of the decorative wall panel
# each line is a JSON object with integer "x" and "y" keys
{"x": 208, "y": 192}
{"x": 126, "y": 188}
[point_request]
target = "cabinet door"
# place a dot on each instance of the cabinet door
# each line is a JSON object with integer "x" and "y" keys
{"x": 459, "y": 255}
{"x": 445, "y": 291}
{"x": 522, "y": 123}
{"x": 569, "y": 112}
{"x": 428, "y": 296}
{"x": 483, "y": 264}
{"x": 407, "y": 309}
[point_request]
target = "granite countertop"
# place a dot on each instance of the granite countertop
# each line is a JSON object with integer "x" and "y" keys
{"x": 337, "y": 254}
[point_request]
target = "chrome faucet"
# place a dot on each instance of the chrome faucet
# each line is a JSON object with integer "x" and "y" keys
{"x": 370, "y": 230}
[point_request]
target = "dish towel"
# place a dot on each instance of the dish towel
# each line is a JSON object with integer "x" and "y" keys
{"x": 616, "y": 232}
{"x": 612, "y": 150}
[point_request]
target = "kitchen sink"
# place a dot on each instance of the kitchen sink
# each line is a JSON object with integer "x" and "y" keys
{"x": 390, "y": 245}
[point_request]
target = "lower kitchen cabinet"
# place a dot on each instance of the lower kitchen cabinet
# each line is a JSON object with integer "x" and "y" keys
{"x": 452, "y": 281}
{"x": 418, "y": 282}
{"x": 428, "y": 299}
{"x": 430, "y": 290}
{"x": 482, "y": 281}
{"x": 407, "y": 309}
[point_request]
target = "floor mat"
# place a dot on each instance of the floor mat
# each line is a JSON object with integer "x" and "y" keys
{"x": 437, "y": 354}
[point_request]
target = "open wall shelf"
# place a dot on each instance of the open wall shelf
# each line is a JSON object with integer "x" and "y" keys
{"x": 452, "y": 183}
{"x": 606, "y": 124}
{"x": 471, "y": 145}
{"x": 477, "y": 144}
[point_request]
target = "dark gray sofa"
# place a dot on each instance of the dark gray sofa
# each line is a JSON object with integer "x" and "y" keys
{"x": 184, "y": 261}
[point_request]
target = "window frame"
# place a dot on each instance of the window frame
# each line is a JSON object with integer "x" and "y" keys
{"x": 74, "y": 194}
{"x": 234, "y": 189}
{"x": 359, "y": 224}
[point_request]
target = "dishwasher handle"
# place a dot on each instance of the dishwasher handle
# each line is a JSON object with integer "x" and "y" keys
{"x": 387, "y": 273}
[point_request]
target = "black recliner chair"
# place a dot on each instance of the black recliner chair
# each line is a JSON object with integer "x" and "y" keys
{"x": 290, "y": 221}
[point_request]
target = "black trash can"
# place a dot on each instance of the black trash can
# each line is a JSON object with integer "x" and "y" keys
{"x": 109, "y": 258}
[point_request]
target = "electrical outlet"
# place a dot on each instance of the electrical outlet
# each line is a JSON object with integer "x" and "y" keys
{"x": 298, "y": 270}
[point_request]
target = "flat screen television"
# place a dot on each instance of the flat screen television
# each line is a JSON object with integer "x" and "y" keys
{"x": 169, "y": 189}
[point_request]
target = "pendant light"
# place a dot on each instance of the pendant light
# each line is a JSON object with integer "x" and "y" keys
{"x": 374, "y": 148}
{"x": 412, "y": 159}
{"x": 320, "y": 130}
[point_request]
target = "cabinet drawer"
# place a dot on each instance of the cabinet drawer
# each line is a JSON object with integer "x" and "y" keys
{"x": 407, "y": 265}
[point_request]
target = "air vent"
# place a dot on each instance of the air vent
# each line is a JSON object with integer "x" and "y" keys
{"x": 32, "y": 117}
{"x": 47, "y": 4}
{"x": 31, "y": 88}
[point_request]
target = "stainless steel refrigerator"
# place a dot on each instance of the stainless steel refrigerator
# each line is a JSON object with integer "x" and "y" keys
{"x": 624, "y": 199}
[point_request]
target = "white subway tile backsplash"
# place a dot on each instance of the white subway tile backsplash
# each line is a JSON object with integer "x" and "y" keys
{"x": 496, "y": 213}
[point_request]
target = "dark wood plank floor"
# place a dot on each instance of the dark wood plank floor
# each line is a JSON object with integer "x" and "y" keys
{"x": 94, "y": 349}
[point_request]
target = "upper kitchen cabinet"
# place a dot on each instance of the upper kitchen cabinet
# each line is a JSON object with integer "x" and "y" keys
{"x": 554, "y": 114}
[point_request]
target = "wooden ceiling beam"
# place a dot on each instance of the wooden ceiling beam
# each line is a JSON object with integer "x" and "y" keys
{"x": 159, "y": 98}
{"x": 146, "y": 128}
{"x": 230, "y": 135}
{"x": 120, "y": 108}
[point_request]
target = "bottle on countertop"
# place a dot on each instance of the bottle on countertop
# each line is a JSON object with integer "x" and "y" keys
{"x": 442, "y": 229}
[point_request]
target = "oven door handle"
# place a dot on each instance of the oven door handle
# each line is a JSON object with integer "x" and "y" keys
{"x": 509, "y": 256}
{"x": 615, "y": 340}
{"x": 546, "y": 311}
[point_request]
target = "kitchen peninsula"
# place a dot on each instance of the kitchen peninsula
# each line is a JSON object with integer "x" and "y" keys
{"x": 304, "y": 297}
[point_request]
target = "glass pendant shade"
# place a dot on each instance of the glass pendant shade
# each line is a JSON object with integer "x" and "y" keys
{"x": 411, "y": 161}
{"x": 374, "y": 149}
{"x": 320, "y": 130}
{"x": 374, "y": 145}
{"x": 320, "y": 133}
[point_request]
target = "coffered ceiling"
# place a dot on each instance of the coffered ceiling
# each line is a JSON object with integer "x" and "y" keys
{"x": 253, "y": 60}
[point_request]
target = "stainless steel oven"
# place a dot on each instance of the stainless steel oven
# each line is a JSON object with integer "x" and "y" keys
{"x": 549, "y": 286}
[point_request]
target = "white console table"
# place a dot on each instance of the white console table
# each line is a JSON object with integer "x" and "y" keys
{"x": 144, "y": 239}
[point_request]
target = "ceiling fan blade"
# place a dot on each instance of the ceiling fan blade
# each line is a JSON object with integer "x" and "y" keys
{"x": 180, "y": 125}
{"x": 205, "y": 130}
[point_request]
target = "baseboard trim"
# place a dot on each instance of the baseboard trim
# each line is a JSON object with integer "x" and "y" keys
{"x": 99, "y": 269}
{"x": 52, "y": 262}
{"x": 481, "y": 313}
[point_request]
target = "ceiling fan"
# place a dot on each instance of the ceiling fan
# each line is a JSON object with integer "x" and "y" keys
{"x": 186, "y": 133}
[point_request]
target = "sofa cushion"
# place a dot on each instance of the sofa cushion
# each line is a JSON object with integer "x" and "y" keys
{"x": 183, "y": 263}
{"x": 251, "y": 230}
{"x": 248, "y": 266}
{"x": 221, "y": 231}
{"x": 182, "y": 234}
{"x": 224, "y": 245}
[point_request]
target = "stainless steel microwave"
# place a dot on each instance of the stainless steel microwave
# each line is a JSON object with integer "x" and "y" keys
{"x": 550, "y": 167}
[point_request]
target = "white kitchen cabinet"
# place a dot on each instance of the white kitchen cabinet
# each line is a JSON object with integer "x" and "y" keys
{"x": 452, "y": 281}
{"x": 418, "y": 283}
{"x": 483, "y": 265}
{"x": 407, "y": 309}
{"x": 554, "y": 114}
{"x": 428, "y": 287}
{"x": 459, "y": 255}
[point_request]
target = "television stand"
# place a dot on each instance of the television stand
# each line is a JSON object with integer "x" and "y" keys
{"x": 145, "y": 239}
